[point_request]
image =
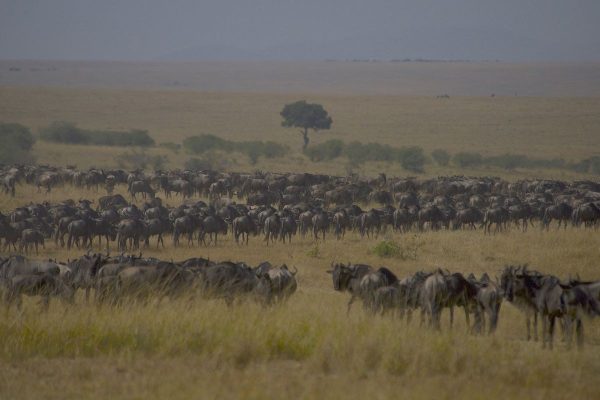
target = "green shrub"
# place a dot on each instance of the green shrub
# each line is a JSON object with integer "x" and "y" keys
{"x": 326, "y": 151}
{"x": 69, "y": 133}
{"x": 253, "y": 149}
{"x": 441, "y": 157}
{"x": 467, "y": 159}
{"x": 16, "y": 142}
{"x": 412, "y": 158}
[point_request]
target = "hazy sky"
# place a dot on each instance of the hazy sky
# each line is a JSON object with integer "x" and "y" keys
{"x": 514, "y": 30}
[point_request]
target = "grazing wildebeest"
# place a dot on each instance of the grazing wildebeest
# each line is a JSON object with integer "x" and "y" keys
{"x": 142, "y": 187}
{"x": 244, "y": 225}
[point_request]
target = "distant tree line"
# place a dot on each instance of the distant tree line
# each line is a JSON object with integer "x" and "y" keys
{"x": 69, "y": 133}
{"x": 253, "y": 149}
{"x": 412, "y": 158}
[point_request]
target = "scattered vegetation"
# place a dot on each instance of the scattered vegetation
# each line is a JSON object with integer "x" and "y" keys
{"x": 253, "y": 149}
{"x": 16, "y": 142}
{"x": 389, "y": 248}
{"x": 140, "y": 160}
{"x": 412, "y": 158}
{"x": 441, "y": 157}
{"x": 69, "y": 133}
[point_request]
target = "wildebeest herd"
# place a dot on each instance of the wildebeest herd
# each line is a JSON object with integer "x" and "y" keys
{"x": 115, "y": 279}
{"x": 280, "y": 206}
{"x": 534, "y": 293}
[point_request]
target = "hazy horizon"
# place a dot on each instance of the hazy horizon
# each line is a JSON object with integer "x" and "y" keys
{"x": 511, "y": 31}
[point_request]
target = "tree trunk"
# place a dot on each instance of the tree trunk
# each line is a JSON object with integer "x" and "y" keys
{"x": 306, "y": 140}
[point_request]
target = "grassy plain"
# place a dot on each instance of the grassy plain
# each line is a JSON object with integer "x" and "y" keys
{"x": 546, "y": 127}
{"x": 307, "y": 348}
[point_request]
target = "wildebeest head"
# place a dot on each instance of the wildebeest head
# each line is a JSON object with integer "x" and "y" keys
{"x": 341, "y": 275}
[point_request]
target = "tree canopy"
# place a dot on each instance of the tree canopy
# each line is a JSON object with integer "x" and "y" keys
{"x": 305, "y": 116}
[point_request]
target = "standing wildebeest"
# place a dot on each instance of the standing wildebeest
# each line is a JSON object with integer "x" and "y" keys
{"x": 288, "y": 228}
{"x": 29, "y": 238}
{"x": 244, "y": 225}
{"x": 156, "y": 227}
{"x": 447, "y": 290}
{"x": 276, "y": 284}
{"x": 184, "y": 225}
{"x": 272, "y": 227}
{"x": 44, "y": 285}
{"x": 213, "y": 225}
{"x": 305, "y": 223}
{"x": 468, "y": 216}
{"x": 227, "y": 280}
{"x": 320, "y": 223}
{"x": 517, "y": 294}
{"x": 489, "y": 300}
{"x": 348, "y": 277}
{"x": 562, "y": 212}
{"x": 341, "y": 222}
{"x": 495, "y": 215}
{"x": 369, "y": 223}
{"x": 132, "y": 230}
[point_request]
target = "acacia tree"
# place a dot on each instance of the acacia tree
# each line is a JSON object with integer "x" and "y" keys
{"x": 305, "y": 116}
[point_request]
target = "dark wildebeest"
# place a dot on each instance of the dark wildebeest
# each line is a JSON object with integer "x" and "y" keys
{"x": 561, "y": 212}
{"x": 469, "y": 217}
{"x": 320, "y": 223}
{"x": 244, "y": 225}
{"x": 588, "y": 214}
{"x": 131, "y": 230}
{"x": 432, "y": 215}
{"x": 44, "y": 285}
{"x": 142, "y": 187}
{"x": 348, "y": 277}
{"x": 496, "y": 215}
{"x": 341, "y": 222}
{"x": 29, "y": 238}
{"x": 212, "y": 225}
{"x": 276, "y": 284}
{"x": 184, "y": 225}
{"x": 489, "y": 300}
{"x": 79, "y": 229}
{"x": 272, "y": 227}
{"x": 156, "y": 227}
{"x": 517, "y": 294}
{"x": 227, "y": 280}
{"x": 305, "y": 222}
{"x": 369, "y": 223}
{"x": 288, "y": 228}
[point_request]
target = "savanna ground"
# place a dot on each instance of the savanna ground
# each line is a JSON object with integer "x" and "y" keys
{"x": 309, "y": 347}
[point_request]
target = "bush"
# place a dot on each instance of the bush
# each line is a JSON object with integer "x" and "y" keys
{"x": 326, "y": 151}
{"x": 412, "y": 158}
{"x": 390, "y": 249}
{"x": 467, "y": 159}
{"x": 140, "y": 160}
{"x": 69, "y": 133}
{"x": 16, "y": 142}
{"x": 441, "y": 157}
{"x": 174, "y": 147}
{"x": 253, "y": 149}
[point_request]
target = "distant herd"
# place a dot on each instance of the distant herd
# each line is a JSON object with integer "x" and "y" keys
{"x": 279, "y": 206}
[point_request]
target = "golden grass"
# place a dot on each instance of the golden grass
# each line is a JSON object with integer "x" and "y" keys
{"x": 539, "y": 127}
{"x": 307, "y": 348}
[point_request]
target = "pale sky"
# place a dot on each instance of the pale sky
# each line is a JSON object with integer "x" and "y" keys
{"x": 510, "y": 30}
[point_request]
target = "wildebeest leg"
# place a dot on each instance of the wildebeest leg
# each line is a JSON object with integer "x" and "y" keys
{"x": 528, "y": 324}
{"x": 535, "y": 326}
{"x": 551, "y": 331}
{"x": 579, "y": 333}
{"x": 87, "y": 294}
{"x": 350, "y": 304}
{"x": 544, "y": 331}
{"x": 467, "y": 318}
{"x": 451, "y": 317}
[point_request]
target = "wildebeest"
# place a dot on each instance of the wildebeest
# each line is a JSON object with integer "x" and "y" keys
{"x": 243, "y": 226}
{"x": 276, "y": 284}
